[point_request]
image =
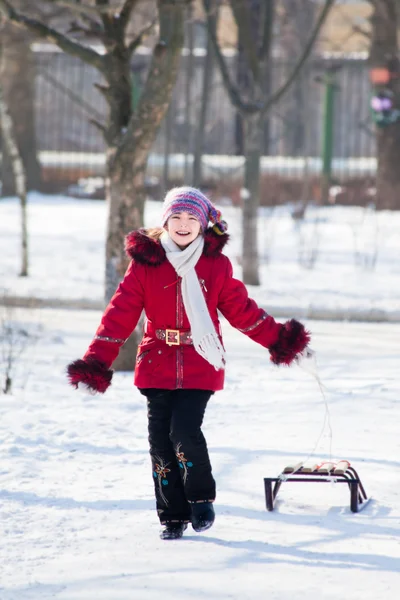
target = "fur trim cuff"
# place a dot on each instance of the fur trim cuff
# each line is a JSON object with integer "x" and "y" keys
{"x": 91, "y": 372}
{"x": 293, "y": 338}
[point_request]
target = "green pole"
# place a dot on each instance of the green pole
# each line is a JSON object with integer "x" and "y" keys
{"x": 327, "y": 136}
{"x": 135, "y": 91}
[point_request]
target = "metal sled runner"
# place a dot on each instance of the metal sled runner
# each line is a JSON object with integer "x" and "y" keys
{"x": 342, "y": 472}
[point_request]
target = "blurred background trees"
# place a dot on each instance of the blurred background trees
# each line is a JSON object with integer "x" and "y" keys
{"x": 209, "y": 93}
{"x": 132, "y": 119}
{"x": 254, "y": 94}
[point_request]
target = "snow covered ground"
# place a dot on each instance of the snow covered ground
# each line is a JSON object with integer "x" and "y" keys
{"x": 77, "y": 518}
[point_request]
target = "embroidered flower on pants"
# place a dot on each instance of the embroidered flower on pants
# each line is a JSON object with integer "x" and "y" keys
{"x": 160, "y": 473}
{"x": 183, "y": 462}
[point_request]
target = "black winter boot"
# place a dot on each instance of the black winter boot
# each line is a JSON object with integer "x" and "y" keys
{"x": 173, "y": 531}
{"x": 203, "y": 515}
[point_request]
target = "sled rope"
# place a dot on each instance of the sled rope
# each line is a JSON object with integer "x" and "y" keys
{"x": 326, "y": 423}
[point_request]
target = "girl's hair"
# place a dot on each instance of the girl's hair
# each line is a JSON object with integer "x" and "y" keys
{"x": 154, "y": 233}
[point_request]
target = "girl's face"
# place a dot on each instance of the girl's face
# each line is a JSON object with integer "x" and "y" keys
{"x": 183, "y": 228}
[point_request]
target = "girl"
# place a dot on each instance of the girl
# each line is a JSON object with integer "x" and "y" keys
{"x": 180, "y": 278}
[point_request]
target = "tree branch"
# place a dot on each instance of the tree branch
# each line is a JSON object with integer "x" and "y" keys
{"x": 110, "y": 24}
{"x": 361, "y": 31}
{"x": 306, "y": 52}
{"x": 101, "y": 128}
{"x": 230, "y": 87}
{"x": 42, "y": 14}
{"x": 157, "y": 90}
{"x": 233, "y": 92}
{"x": 81, "y": 8}
{"x": 88, "y": 108}
{"x": 91, "y": 21}
{"x": 104, "y": 90}
{"x": 126, "y": 11}
{"x": 267, "y": 30}
{"x": 138, "y": 40}
{"x": 66, "y": 44}
{"x": 94, "y": 29}
{"x": 247, "y": 38}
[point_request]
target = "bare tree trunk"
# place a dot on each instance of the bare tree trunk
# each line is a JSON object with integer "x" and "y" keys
{"x": 17, "y": 166}
{"x": 19, "y": 94}
{"x": 252, "y": 126}
{"x": 126, "y": 198}
{"x": 127, "y": 162}
{"x": 189, "y": 93}
{"x": 384, "y": 54}
{"x": 167, "y": 151}
{"x": 388, "y": 176}
{"x": 197, "y": 175}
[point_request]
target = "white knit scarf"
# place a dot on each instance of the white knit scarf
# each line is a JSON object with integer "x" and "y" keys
{"x": 204, "y": 336}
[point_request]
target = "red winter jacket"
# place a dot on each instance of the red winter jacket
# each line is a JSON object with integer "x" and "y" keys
{"x": 151, "y": 283}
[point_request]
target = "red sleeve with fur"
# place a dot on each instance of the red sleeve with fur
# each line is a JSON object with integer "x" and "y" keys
{"x": 119, "y": 318}
{"x": 118, "y": 321}
{"x": 243, "y": 313}
{"x": 284, "y": 341}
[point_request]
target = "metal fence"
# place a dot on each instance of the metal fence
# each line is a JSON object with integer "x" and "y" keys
{"x": 71, "y": 146}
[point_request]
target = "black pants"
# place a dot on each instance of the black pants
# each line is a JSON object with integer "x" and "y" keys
{"x": 178, "y": 450}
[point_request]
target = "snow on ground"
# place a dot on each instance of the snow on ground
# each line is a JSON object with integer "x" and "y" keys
{"x": 77, "y": 518}
{"x": 67, "y": 238}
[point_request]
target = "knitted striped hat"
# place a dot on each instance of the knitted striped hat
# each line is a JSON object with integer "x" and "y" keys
{"x": 193, "y": 201}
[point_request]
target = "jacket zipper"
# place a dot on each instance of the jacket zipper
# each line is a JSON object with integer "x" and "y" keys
{"x": 179, "y": 325}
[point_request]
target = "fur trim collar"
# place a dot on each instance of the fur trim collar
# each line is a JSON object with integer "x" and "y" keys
{"x": 145, "y": 248}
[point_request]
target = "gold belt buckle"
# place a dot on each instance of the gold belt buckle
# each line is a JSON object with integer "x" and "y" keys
{"x": 172, "y": 337}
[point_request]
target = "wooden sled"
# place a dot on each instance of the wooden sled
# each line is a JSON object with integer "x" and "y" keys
{"x": 341, "y": 472}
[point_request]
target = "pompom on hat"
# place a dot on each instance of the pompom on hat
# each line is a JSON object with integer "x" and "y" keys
{"x": 193, "y": 201}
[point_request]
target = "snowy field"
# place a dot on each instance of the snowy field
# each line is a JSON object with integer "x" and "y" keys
{"x": 77, "y": 518}
{"x": 67, "y": 239}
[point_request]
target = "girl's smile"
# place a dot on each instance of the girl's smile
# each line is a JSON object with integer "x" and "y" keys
{"x": 183, "y": 228}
